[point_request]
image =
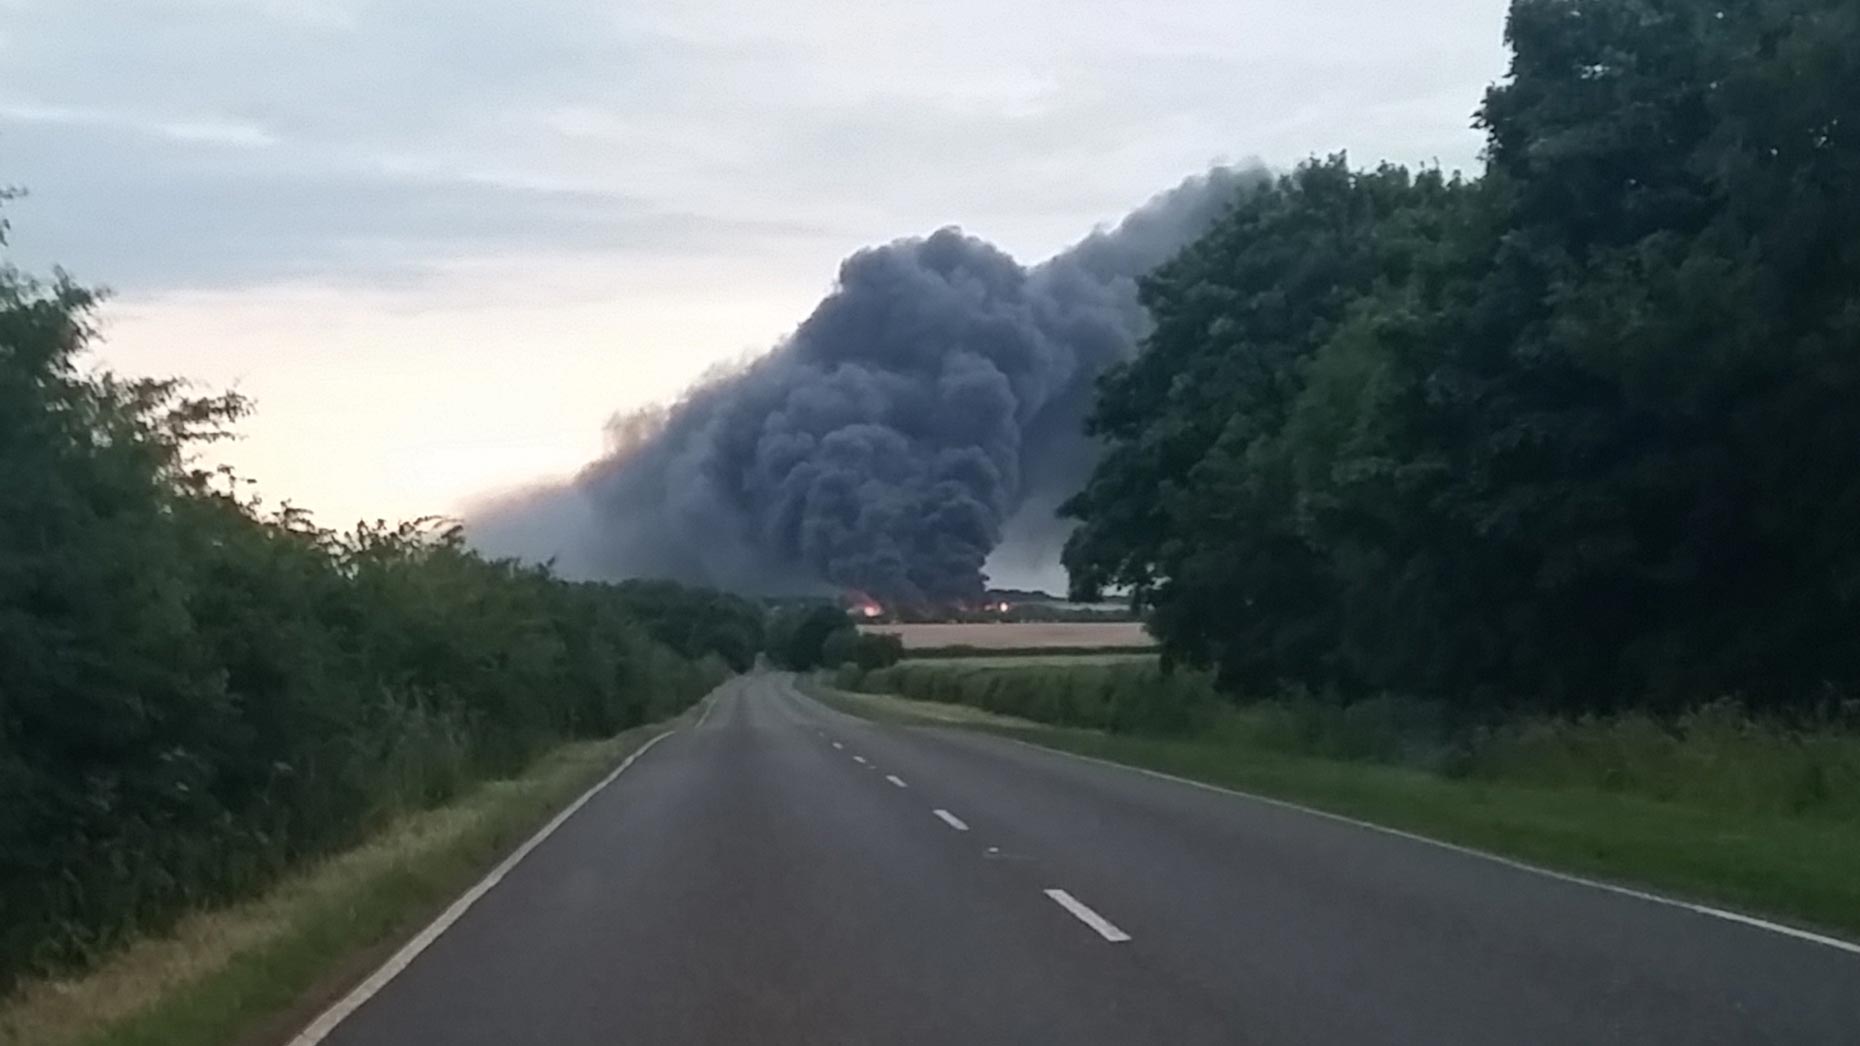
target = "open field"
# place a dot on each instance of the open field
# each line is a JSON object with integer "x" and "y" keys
{"x": 1018, "y": 635}
{"x": 1031, "y": 658}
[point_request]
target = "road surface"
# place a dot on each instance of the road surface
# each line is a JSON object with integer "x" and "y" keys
{"x": 784, "y": 873}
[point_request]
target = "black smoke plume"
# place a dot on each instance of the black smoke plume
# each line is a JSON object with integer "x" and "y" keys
{"x": 932, "y": 402}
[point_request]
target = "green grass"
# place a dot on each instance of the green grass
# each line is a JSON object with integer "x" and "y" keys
{"x": 1796, "y": 868}
{"x": 1122, "y": 693}
{"x": 1714, "y": 807}
{"x": 258, "y": 970}
{"x": 889, "y": 708}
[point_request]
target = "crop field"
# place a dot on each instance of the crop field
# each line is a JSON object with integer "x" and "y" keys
{"x": 1060, "y": 657}
{"x": 1019, "y": 635}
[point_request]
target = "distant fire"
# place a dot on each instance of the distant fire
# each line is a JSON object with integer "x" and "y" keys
{"x": 858, "y": 604}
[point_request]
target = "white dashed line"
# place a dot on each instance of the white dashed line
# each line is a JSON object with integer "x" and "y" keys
{"x": 952, "y": 820}
{"x": 859, "y": 759}
{"x": 896, "y": 780}
{"x": 1088, "y": 917}
{"x": 836, "y": 744}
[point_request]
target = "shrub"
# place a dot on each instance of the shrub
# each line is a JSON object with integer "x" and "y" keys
{"x": 200, "y": 694}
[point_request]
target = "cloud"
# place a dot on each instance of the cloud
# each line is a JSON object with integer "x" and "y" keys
{"x": 243, "y": 141}
{"x": 215, "y": 204}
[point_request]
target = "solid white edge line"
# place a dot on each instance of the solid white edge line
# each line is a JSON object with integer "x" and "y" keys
{"x": 1090, "y": 918}
{"x": 1523, "y": 866}
{"x": 952, "y": 820}
{"x": 325, "y": 1023}
{"x": 896, "y": 780}
{"x": 1724, "y": 914}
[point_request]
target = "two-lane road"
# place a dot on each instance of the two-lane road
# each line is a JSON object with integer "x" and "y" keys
{"x": 784, "y": 873}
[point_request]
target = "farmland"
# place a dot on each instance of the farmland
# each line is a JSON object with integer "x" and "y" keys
{"x": 1030, "y": 635}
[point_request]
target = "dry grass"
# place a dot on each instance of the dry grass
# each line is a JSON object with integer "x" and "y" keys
{"x": 189, "y": 985}
{"x": 1061, "y": 659}
{"x": 1021, "y": 635}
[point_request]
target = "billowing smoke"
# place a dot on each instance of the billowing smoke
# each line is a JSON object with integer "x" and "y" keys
{"x": 931, "y": 404}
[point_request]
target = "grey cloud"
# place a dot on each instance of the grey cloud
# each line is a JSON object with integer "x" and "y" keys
{"x": 154, "y": 208}
{"x": 732, "y": 113}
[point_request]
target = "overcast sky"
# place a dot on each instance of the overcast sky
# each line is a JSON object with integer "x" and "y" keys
{"x": 440, "y": 241}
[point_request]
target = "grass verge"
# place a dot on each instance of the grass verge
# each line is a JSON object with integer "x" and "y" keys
{"x": 1797, "y": 869}
{"x": 889, "y": 708}
{"x": 254, "y": 972}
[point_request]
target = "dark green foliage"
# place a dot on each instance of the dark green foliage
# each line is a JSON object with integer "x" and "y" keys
{"x": 798, "y": 636}
{"x": 1579, "y": 433}
{"x": 697, "y": 621}
{"x": 198, "y": 694}
{"x": 863, "y": 650}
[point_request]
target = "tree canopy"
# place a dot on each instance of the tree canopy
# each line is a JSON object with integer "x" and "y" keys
{"x": 1579, "y": 431}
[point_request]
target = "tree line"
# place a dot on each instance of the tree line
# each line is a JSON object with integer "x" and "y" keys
{"x": 201, "y": 693}
{"x": 803, "y": 635}
{"x": 1577, "y": 433}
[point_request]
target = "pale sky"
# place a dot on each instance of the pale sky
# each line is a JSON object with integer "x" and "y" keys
{"x": 439, "y": 242}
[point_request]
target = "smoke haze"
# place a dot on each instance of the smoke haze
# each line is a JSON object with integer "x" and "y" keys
{"x": 926, "y": 416}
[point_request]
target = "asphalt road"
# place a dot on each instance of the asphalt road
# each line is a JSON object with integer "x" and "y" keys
{"x": 784, "y": 873}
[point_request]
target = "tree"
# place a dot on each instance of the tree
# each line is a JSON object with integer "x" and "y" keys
{"x": 1577, "y": 432}
{"x": 798, "y": 635}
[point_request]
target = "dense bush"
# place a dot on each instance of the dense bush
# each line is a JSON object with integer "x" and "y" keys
{"x": 199, "y": 694}
{"x": 863, "y": 650}
{"x": 798, "y": 636}
{"x": 1125, "y": 697}
{"x": 1578, "y": 433}
{"x": 1716, "y": 756}
{"x": 696, "y": 622}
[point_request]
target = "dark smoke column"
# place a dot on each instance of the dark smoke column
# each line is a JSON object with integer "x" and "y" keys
{"x": 885, "y": 445}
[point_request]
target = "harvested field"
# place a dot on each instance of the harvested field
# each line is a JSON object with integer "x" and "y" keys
{"x": 959, "y": 658}
{"x": 1019, "y": 635}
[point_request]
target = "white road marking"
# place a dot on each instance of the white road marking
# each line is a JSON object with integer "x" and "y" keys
{"x": 952, "y": 820}
{"x": 1088, "y": 917}
{"x": 1625, "y": 891}
{"x": 859, "y": 759}
{"x": 836, "y": 744}
{"x": 707, "y": 710}
{"x": 319, "y": 1029}
{"x": 896, "y": 780}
